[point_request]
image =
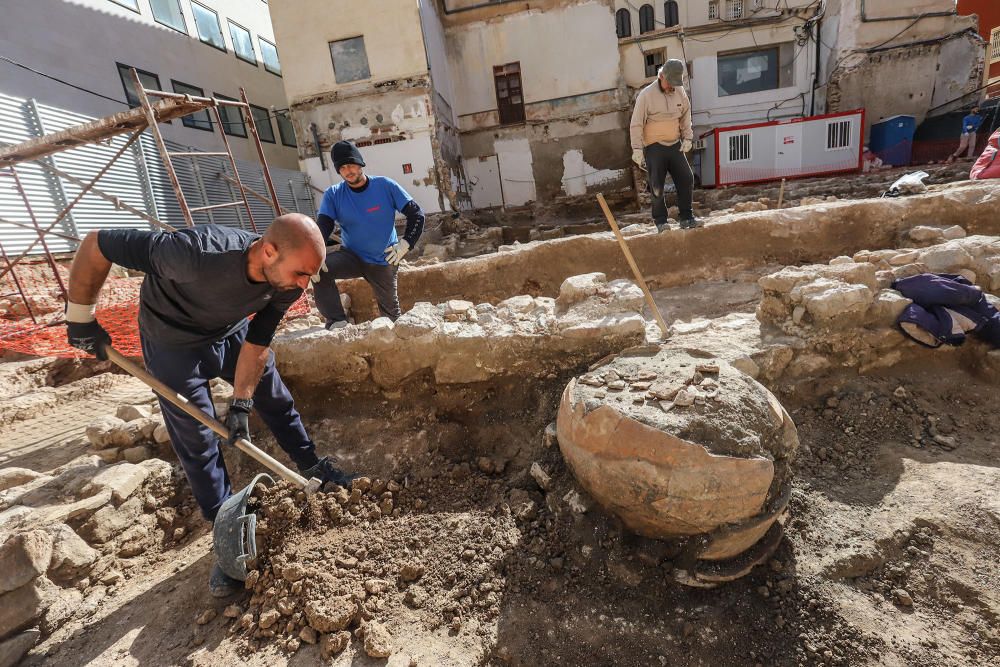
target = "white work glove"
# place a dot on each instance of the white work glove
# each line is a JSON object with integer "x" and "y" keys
{"x": 394, "y": 253}
{"x": 322, "y": 269}
{"x": 685, "y": 146}
{"x": 638, "y": 157}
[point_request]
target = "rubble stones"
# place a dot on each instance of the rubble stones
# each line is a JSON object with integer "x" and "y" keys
{"x": 109, "y": 521}
{"x": 20, "y": 607}
{"x": 15, "y": 648}
{"x": 334, "y": 644}
{"x": 331, "y": 615}
{"x": 11, "y": 477}
{"x": 72, "y": 557}
{"x": 378, "y": 641}
{"x": 23, "y": 557}
{"x": 132, "y": 412}
{"x": 121, "y": 479}
{"x": 101, "y": 431}
{"x": 541, "y": 478}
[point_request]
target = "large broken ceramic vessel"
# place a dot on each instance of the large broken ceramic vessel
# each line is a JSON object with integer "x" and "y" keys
{"x": 678, "y": 444}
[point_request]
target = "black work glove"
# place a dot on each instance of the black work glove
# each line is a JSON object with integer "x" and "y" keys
{"x": 89, "y": 337}
{"x": 238, "y": 420}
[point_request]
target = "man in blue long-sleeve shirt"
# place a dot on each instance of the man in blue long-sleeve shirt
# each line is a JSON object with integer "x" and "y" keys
{"x": 970, "y": 125}
{"x": 365, "y": 208}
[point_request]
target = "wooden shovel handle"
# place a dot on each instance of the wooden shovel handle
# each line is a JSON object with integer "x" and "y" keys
{"x": 169, "y": 394}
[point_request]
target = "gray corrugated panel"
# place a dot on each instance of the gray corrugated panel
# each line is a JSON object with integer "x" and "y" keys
{"x": 126, "y": 180}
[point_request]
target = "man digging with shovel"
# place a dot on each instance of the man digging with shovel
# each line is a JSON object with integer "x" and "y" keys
{"x": 201, "y": 285}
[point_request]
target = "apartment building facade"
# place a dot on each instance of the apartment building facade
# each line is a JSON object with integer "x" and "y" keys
{"x": 77, "y": 56}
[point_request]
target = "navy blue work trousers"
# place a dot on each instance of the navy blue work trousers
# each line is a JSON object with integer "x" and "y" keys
{"x": 187, "y": 370}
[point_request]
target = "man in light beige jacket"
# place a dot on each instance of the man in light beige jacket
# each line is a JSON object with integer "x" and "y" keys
{"x": 661, "y": 136}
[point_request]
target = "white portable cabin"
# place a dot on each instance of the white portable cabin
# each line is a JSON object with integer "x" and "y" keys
{"x": 796, "y": 148}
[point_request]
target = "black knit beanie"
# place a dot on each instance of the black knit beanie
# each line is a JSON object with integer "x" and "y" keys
{"x": 344, "y": 152}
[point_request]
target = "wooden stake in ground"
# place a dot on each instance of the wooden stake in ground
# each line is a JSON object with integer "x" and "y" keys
{"x": 664, "y": 329}
{"x": 781, "y": 193}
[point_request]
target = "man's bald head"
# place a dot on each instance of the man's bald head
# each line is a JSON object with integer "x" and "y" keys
{"x": 292, "y": 249}
{"x": 293, "y": 231}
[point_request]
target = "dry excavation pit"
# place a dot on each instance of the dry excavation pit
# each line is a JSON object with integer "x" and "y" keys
{"x": 474, "y": 539}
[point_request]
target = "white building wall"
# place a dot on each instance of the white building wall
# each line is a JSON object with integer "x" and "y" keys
{"x": 563, "y": 52}
{"x": 81, "y": 42}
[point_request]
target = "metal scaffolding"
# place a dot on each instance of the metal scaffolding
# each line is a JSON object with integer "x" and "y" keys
{"x": 146, "y": 116}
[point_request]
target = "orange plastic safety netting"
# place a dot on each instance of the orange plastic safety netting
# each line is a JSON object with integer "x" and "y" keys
{"x": 31, "y": 313}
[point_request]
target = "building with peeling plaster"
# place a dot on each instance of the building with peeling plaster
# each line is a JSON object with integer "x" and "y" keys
{"x": 899, "y": 57}
{"x": 479, "y": 104}
{"x": 466, "y": 104}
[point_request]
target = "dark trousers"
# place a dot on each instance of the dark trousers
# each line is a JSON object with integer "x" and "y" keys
{"x": 342, "y": 263}
{"x": 187, "y": 370}
{"x": 660, "y": 161}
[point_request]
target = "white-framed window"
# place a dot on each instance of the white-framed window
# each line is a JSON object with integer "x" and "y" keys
{"x": 838, "y": 134}
{"x": 994, "y": 48}
{"x": 739, "y": 147}
{"x": 713, "y": 9}
{"x": 168, "y": 13}
{"x": 128, "y": 4}
{"x": 764, "y": 68}
{"x": 206, "y": 21}
{"x": 242, "y": 43}
{"x": 734, "y": 10}
{"x": 269, "y": 54}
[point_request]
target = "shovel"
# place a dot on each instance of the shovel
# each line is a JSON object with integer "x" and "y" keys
{"x": 310, "y": 486}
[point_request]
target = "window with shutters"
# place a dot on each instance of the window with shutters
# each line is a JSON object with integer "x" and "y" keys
{"x": 739, "y": 147}
{"x": 623, "y": 23}
{"x": 510, "y": 97}
{"x": 646, "y": 21}
{"x": 671, "y": 13}
{"x": 838, "y": 134}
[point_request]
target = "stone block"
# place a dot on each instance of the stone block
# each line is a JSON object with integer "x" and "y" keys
{"x": 122, "y": 479}
{"x": 109, "y": 521}
{"x": 15, "y": 648}
{"x": 23, "y": 557}
{"x": 946, "y": 258}
{"x": 887, "y": 306}
{"x": 160, "y": 435}
{"x": 132, "y": 412}
{"x": 72, "y": 557}
{"x": 20, "y": 607}
{"x": 136, "y": 454}
{"x": 11, "y": 477}
{"x": 838, "y": 301}
{"x": 577, "y": 288}
{"x": 953, "y": 232}
{"x": 521, "y": 304}
{"x": 624, "y": 324}
{"x": 423, "y": 318}
{"x": 924, "y": 233}
{"x": 100, "y": 431}
{"x": 903, "y": 258}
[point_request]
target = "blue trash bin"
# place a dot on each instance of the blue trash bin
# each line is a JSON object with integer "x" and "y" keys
{"x": 892, "y": 139}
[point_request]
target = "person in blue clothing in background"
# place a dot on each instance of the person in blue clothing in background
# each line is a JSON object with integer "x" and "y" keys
{"x": 970, "y": 125}
{"x": 365, "y": 208}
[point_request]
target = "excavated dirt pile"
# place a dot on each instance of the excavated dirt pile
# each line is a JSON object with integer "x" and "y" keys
{"x": 352, "y": 565}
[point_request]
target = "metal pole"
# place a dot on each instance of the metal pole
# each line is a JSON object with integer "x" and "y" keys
{"x": 59, "y": 191}
{"x": 162, "y": 147}
{"x": 17, "y": 283}
{"x": 260, "y": 152}
{"x": 38, "y": 230}
{"x": 232, "y": 162}
{"x": 24, "y": 225}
